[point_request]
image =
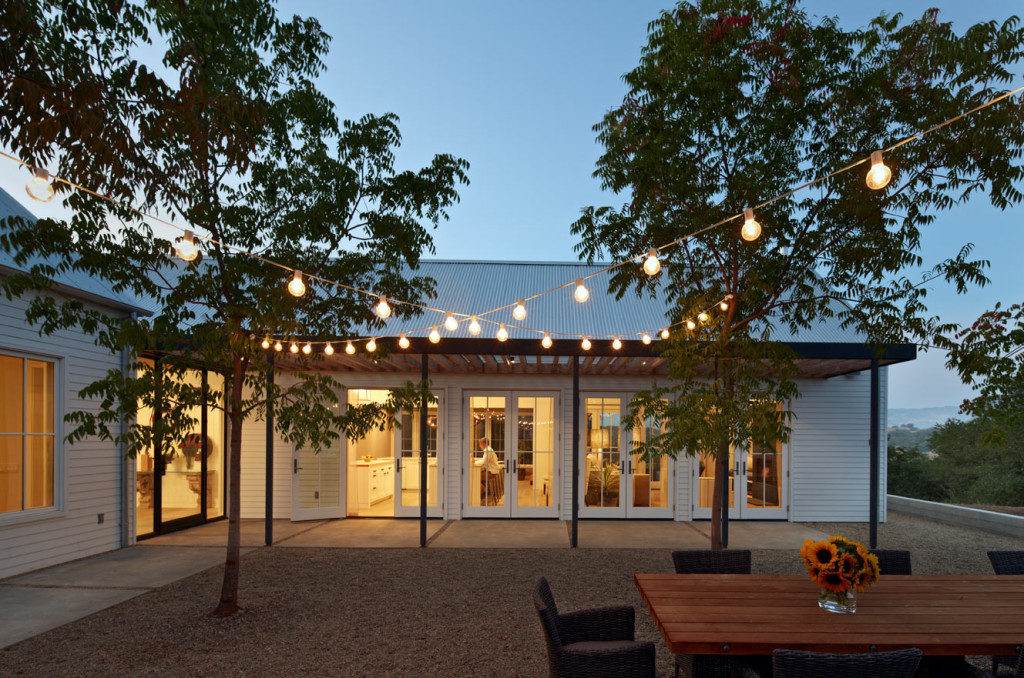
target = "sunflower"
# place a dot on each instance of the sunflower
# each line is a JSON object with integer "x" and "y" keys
{"x": 847, "y": 565}
{"x": 833, "y": 581}
{"x": 806, "y": 551}
{"x": 824, "y": 554}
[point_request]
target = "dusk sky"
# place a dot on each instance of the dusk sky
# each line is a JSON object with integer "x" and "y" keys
{"x": 515, "y": 89}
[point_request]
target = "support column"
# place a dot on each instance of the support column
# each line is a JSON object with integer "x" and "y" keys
{"x": 268, "y": 527}
{"x": 726, "y": 482}
{"x": 423, "y": 453}
{"x": 574, "y": 541}
{"x": 874, "y": 468}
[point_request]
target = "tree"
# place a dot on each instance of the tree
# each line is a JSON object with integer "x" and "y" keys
{"x": 227, "y": 134}
{"x": 736, "y": 101}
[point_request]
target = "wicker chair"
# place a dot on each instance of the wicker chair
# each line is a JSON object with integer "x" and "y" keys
{"x": 1005, "y": 562}
{"x": 703, "y": 561}
{"x": 598, "y": 642}
{"x": 893, "y": 562}
{"x": 959, "y": 667}
{"x": 796, "y": 664}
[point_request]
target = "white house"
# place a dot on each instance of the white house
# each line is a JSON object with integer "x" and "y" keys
{"x": 500, "y": 440}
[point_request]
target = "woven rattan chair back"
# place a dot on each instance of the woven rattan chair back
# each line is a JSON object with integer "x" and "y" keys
{"x": 795, "y": 664}
{"x": 893, "y": 562}
{"x": 706, "y": 561}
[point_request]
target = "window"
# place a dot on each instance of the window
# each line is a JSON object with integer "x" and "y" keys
{"x": 26, "y": 433}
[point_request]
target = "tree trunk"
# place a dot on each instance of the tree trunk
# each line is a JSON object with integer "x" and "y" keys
{"x": 229, "y": 589}
{"x": 720, "y": 493}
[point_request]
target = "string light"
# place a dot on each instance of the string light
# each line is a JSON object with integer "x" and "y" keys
{"x": 652, "y": 264}
{"x": 329, "y": 349}
{"x": 307, "y": 349}
{"x": 585, "y": 344}
{"x": 185, "y": 248}
{"x": 382, "y": 309}
{"x": 474, "y": 326}
{"x": 646, "y": 339}
{"x": 751, "y": 230}
{"x": 434, "y": 335}
{"x": 519, "y": 312}
{"x": 724, "y": 305}
{"x": 879, "y": 175}
{"x": 702, "y": 317}
{"x": 296, "y": 287}
{"x": 546, "y": 341}
{"x": 294, "y": 348}
{"x": 371, "y": 345}
{"x": 278, "y": 347}
{"x": 403, "y": 341}
{"x": 664, "y": 333}
{"x": 450, "y": 323}
{"x": 40, "y": 185}
{"x": 502, "y": 332}
{"x": 581, "y": 293}
{"x": 616, "y": 344}
{"x": 349, "y": 348}
{"x": 265, "y": 344}
{"x": 690, "y": 325}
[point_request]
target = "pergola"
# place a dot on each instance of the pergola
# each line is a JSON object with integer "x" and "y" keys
{"x": 460, "y": 355}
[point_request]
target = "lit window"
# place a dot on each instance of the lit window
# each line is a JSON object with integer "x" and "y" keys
{"x": 26, "y": 433}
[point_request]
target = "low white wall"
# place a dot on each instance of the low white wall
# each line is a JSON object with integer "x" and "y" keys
{"x": 989, "y": 521}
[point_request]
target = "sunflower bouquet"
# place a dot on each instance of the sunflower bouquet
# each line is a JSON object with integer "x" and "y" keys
{"x": 841, "y": 568}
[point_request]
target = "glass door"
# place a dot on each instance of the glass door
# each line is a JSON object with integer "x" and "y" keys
{"x": 602, "y": 465}
{"x": 407, "y": 463}
{"x": 316, "y": 484}
{"x": 704, "y": 481}
{"x": 486, "y": 442}
{"x": 650, "y": 485}
{"x": 756, "y": 474}
{"x": 534, "y": 471}
{"x": 180, "y": 480}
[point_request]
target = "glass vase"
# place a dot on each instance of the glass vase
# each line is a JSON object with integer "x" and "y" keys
{"x": 841, "y": 602}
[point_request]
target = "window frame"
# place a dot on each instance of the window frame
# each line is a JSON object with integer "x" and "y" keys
{"x": 59, "y": 468}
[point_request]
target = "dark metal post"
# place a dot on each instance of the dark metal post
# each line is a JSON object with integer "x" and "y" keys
{"x": 574, "y": 541}
{"x": 423, "y": 453}
{"x": 204, "y": 447}
{"x": 874, "y": 464}
{"x": 268, "y": 527}
{"x": 727, "y": 481}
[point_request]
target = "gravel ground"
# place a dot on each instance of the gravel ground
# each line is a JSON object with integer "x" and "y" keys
{"x": 355, "y": 612}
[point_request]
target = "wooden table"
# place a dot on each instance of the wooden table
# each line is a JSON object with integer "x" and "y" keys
{"x": 756, "y": 614}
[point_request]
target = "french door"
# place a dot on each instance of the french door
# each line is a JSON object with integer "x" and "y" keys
{"x": 316, "y": 484}
{"x": 757, "y": 475}
{"x": 408, "y": 462}
{"x": 510, "y": 464}
{"x": 615, "y": 480}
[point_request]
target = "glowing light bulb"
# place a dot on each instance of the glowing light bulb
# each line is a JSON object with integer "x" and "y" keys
{"x": 651, "y": 264}
{"x": 702, "y": 317}
{"x": 502, "y": 332}
{"x": 585, "y": 344}
{"x": 265, "y": 344}
{"x": 296, "y": 287}
{"x": 616, "y": 344}
{"x": 450, "y": 323}
{"x": 382, "y": 309}
{"x": 664, "y": 333}
{"x": 690, "y": 325}
{"x": 434, "y": 335}
{"x": 185, "y": 248}
{"x": 403, "y": 341}
{"x": 294, "y": 348}
{"x": 646, "y": 339}
{"x": 751, "y": 230}
{"x": 278, "y": 347}
{"x": 350, "y": 348}
{"x": 328, "y": 349}
{"x": 307, "y": 349}
{"x": 581, "y": 293}
{"x": 879, "y": 175}
{"x": 40, "y": 185}
{"x": 724, "y": 305}
{"x": 519, "y": 311}
{"x": 371, "y": 345}
{"x": 546, "y": 341}
{"x": 474, "y": 326}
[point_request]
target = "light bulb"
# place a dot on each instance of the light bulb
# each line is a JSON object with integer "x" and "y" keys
{"x": 751, "y": 230}
{"x": 474, "y": 326}
{"x": 371, "y": 345}
{"x": 40, "y": 185}
{"x": 664, "y": 333}
{"x": 724, "y": 305}
{"x": 690, "y": 325}
{"x": 616, "y": 344}
{"x": 186, "y": 247}
{"x": 278, "y": 347}
{"x": 382, "y": 309}
{"x": 519, "y": 311}
{"x": 581, "y": 293}
{"x": 294, "y": 348}
{"x": 328, "y": 349}
{"x": 585, "y": 344}
{"x": 546, "y": 341}
{"x": 646, "y": 339}
{"x": 502, "y": 332}
{"x": 434, "y": 335}
{"x": 652, "y": 265}
{"x": 403, "y": 341}
{"x": 296, "y": 287}
{"x": 879, "y": 175}
{"x": 265, "y": 343}
{"x": 702, "y": 317}
{"x": 450, "y": 323}
{"x": 349, "y": 348}
{"x": 307, "y": 349}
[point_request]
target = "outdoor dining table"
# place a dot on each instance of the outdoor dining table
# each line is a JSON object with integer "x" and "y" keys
{"x": 756, "y": 614}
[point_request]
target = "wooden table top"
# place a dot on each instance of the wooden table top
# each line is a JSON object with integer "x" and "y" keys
{"x": 756, "y": 614}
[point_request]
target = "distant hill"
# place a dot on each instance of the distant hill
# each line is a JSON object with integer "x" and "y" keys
{"x": 910, "y": 437}
{"x": 922, "y": 417}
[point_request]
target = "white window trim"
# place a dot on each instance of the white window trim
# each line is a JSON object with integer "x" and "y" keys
{"x": 59, "y": 458}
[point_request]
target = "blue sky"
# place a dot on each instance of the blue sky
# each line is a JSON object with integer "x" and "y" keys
{"x": 515, "y": 89}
